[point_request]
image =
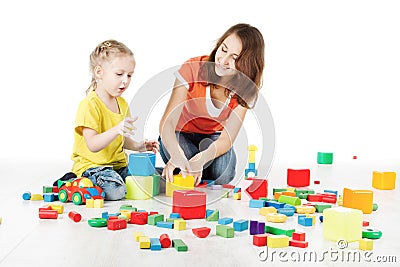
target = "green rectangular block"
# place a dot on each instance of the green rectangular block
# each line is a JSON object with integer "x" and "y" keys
{"x": 47, "y": 189}
{"x": 225, "y": 231}
{"x": 179, "y": 245}
{"x": 155, "y": 218}
{"x": 278, "y": 231}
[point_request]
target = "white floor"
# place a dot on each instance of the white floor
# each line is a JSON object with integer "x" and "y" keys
{"x": 25, "y": 240}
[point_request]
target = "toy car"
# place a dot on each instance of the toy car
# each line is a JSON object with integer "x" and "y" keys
{"x": 79, "y": 190}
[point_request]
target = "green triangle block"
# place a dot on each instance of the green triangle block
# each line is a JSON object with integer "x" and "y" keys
{"x": 213, "y": 216}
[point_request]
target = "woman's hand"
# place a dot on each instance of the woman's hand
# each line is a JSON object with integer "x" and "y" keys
{"x": 181, "y": 163}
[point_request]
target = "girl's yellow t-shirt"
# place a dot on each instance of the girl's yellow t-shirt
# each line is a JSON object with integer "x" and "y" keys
{"x": 93, "y": 113}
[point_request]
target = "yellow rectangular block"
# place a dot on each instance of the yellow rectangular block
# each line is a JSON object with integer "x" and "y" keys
{"x": 89, "y": 203}
{"x": 144, "y": 242}
{"x": 305, "y": 209}
{"x": 358, "y": 199}
{"x": 136, "y": 235}
{"x": 342, "y": 223}
{"x": 179, "y": 183}
{"x": 265, "y": 210}
{"x": 58, "y": 208}
{"x": 277, "y": 241}
{"x": 180, "y": 224}
{"x": 366, "y": 244}
{"x": 384, "y": 180}
{"x": 98, "y": 203}
{"x": 35, "y": 197}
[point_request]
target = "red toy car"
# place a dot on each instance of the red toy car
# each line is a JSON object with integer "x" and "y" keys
{"x": 79, "y": 190}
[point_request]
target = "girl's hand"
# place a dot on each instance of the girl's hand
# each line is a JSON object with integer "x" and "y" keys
{"x": 196, "y": 166}
{"x": 150, "y": 145}
{"x": 126, "y": 127}
{"x": 173, "y": 163}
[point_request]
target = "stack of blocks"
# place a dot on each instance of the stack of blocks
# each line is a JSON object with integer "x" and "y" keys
{"x": 252, "y": 162}
{"x": 142, "y": 183}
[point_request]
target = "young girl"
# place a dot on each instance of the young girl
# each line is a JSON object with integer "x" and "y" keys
{"x": 208, "y": 105}
{"x": 103, "y": 125}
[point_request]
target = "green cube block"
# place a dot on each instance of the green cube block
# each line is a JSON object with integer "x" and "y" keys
{"x": 179, "y": 245}
{"x": 225, "y": 231}
{"x": 47, "y": 189}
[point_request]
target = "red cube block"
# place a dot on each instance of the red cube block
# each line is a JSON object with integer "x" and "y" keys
{"x": 298, "y": 178}
{"x": 139, "y": 217}
{"x": 260, "y": 240}
{"x": 190, "y": 204}
{"x": 299, "y": 236}
{"x": 116, "y": 224}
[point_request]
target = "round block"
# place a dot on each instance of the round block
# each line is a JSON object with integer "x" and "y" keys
{"x": 325, "y": 158}
{"x": 76, "y": 217}
{"x": 371, "y": 234}
{"x": 165, "y": 241}
{"x": 26, "y": 195}
{"x": 374, "y": 206}
{"x": 97, "y": 222}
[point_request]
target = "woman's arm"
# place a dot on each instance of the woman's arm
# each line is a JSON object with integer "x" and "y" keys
{"x": 167, "y": 130}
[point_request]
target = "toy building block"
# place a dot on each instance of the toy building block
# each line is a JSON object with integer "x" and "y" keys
{"x": 274, "y": 204}
{"x": 216, "y": 187}
{"x": 298, "y": 178}
{"x": 175, "y": 215}
{"x": 155, "y": 218}
{"x": 201, "y": 232}
{"x": 331, "y": 191}
{"x": 225, "y": 231}
{"x": 155, "y": 244}
{"x": 98, "y": 222}
{"x": 47, "y": 189}
{"x": 287, "y": 211}
{"x": 374, "y": 207}
{"x": 325, "y": 158}
{"x": 116, "y": 224}
{"x": 342, "y": 223}
{"x": 276, "y": 217}
{"x": 213, "y": 217}
{"x": 295, "y": 201}
{"x": 190, "y": 204}
{"x": 142, "y": 164}
{"x": 237, "y": 196}
{"x": 169, "y": 225}
{"x": 48, "y": 197}
{"x": 179, "y": 245}
{"x": 48, "y": 214}
{"x": 258, "y": 188}
{"x": 266, "y": 210}
{"x": 299, "y": 236}
{"x": 179, "y": 183}
{"x": 358, "y": 199}
{"x": 58, "y": 208}
{"x": 321, "y": 207}
{"x": 180, "y": 224}
{"x": 278, "y": 231}
{"x": 256, "y": 203}
{"x": 277, "y": 241}
{"x": 26, "y": 195}
{"x": 228, "y": 186}
{"x": 36, "y": 197}
{"x": 257, "y": 227}
{"x": 371, "y": 234}
{"x": 297, "y": 243}
{"x": 225, "y": 221}
{"x": 144, "y": 242}
{"x": 165, "y": 241}
{"x": 127, "y": 207}
{"x": 288, "y": 206}
{"x": 305, "y": 209}
{"x": 365, "y": 223}
{"x": 127, "y": 214}
{"x": 137, "y": 235}
{"x": 142, "y": 187}
{"x": 138, "y": 217}
{"x": 366, "y": 244}
{"x": 98, "y": 203}
{"x": 241, "y": 225}
{"x": 384, "y": 180}
{"x": 90, "y": 203}
{"x": 75, "y": 216}
{"x": 260, "y": 240}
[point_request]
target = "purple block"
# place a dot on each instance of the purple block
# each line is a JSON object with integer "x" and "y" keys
{"x": 253, "y": 227}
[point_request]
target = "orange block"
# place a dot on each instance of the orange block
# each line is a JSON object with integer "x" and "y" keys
{"x": 384, "y": 180}
{"x": 358, "y": 199}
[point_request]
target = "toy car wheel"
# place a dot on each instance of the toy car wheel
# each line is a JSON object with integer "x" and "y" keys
{"x": 63, "y": 196}
{"x": 77, "y": 198}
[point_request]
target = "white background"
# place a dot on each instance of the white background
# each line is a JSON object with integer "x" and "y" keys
{"x": 331, "y": 78}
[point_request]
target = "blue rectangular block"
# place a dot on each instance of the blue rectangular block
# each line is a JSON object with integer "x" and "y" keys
{"x": 241, "y": 225}
{"x": 305, "y": 221}
{"x": 256, "y": 203}
{"x": 331, "y": 191}
{"x": 225, "y": 221}
{"x": 104, "y": 215}
{"x": 175, "y": 215}
{"x": 168, "y": 225}
{"x": 155, "y": 244}
{"x": 276, "y": 205}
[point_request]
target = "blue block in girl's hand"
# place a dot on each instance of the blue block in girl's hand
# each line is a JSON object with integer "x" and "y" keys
{"x": 142, "y": 164}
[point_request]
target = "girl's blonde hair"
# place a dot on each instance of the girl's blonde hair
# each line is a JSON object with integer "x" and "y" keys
{"x": 105, "y": 51}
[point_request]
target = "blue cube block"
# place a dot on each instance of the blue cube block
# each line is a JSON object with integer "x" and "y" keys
{"x": 241, "y": 225}
{"x": 142, "y": 164}
{"x": 48, "y": 197}
{"x": 104, "y": 215}
{"x": 305, "y": 221}
{"x": 225, "y": 221}
{"x": 155, "y": 244}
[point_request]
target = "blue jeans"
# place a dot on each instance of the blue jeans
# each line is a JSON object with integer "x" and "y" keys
{"x": 110, "y": 180}
{"x": 221, "y": 169}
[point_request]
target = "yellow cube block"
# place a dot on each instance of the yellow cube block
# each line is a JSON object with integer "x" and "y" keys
{"x": 180, "y": 225}
{"x": 305, "y": 209}
{"x": 384, "y": 180}
{"x": 342, "y": 223}
{"x": 277, "y": 241}
{"x": 358, "y": 199}
{"x": 179, "y": 183}
{"x": 266, "y": 210}
{"x": 144, "y": 242}
{"x": 139, "y": 187}
{"x": 366, "y": 244}
{"x": 90, "y": 203}
{"x": 136, "y": 235}
{"x": 237, "y": 196}
{"x": 276, "y": 217}
{"x": 98, "y": 203}
{"x": 58, "y": 208}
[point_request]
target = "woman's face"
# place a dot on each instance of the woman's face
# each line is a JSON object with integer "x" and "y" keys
{"x": 227, "y": 54}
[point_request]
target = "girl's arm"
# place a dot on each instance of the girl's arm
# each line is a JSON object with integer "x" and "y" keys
{"x": 221, "y": 145}
{"x": 167, "y": 130}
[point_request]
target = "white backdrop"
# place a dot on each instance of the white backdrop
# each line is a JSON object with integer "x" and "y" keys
{"x": 331, "y": 78}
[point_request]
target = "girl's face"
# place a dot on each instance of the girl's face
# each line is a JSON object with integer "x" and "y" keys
{"x": 227, "y": 54}
{"x": 116, "y": 74}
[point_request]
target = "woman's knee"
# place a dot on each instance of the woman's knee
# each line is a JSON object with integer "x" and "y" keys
{"x": 222, "y": 169}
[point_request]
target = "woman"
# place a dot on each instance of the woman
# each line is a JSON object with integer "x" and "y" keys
{"x": 208, "y": 105}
